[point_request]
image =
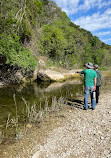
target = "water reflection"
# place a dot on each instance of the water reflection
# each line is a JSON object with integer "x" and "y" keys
{"x": 38, "y": 93}
{"x": 35, "y": 93}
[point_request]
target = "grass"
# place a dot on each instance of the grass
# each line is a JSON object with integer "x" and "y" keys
{"x": 105, "y": 68}
{"x": 32, "y": 115}
{"x": 14, "y": 121}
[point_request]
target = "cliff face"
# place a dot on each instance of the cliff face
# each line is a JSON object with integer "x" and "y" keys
{"x": 30, "y": 29}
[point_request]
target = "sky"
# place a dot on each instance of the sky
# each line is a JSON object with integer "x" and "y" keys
{"x": 91, "y": 15}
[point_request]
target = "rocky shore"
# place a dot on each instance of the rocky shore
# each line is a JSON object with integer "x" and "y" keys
{"x": 68, "y": 133}
{"x": 45, "y": 75}
{"x": 15, "y": 75}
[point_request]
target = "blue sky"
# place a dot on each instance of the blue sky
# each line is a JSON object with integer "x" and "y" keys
{"x": 92, "y": 15}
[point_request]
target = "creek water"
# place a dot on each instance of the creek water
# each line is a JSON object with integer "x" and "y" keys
{"x": 11, "y": 97}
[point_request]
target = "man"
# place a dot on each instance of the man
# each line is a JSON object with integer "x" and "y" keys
{"x": 98, "y": 83}
{"x": 89, "y": 85}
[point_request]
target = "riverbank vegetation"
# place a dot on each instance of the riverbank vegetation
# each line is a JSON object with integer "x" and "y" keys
{"x": 30, "y": 29}
{"x": 67, "y": 125}
{"x": 32, "y": 114}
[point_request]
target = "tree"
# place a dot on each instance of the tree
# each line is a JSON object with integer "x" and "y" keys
{"x": 53, "y": 41}
{"x": 87, "y": 56}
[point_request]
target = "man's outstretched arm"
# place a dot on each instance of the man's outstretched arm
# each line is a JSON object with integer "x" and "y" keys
{"x": 78, "y": 71}
{"x": 95, "y": 80}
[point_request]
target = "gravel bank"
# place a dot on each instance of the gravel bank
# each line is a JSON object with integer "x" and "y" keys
{"x": 69, "y": 133}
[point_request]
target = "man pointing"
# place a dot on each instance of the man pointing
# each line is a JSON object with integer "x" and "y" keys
{"x": 89, "y": 84}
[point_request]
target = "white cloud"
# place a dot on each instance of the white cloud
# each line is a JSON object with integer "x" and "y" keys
{"x": 106, "y": 40}
{"x": 108, "y": 11}
{"x": 88, "y": 4}
{"x": 73, "y": 6}
{"x": 104, "y": 33}
{"x": 104, "y": 4}
{"x": 68, "y": 6}
{"x": 96, "y": 21}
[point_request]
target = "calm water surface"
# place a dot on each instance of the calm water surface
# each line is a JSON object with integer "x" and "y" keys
{"x": 38, "y": 93}
{"x": 33, "y": 93}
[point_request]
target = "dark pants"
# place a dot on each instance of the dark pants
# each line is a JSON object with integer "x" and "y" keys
{"x": 97, "y": 93}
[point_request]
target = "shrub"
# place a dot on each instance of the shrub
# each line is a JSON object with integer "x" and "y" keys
{"x": 15, "y": 54}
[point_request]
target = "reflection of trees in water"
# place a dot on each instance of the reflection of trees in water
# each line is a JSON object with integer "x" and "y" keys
{"x": 37, "y": 93}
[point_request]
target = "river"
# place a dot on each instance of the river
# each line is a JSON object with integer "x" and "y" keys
{"x": 12, "y": 99}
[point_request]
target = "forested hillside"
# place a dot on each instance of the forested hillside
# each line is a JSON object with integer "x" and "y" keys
{"x": 33, "y": 28}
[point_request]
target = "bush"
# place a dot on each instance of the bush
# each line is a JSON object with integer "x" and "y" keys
{"x": 15, "y": 54}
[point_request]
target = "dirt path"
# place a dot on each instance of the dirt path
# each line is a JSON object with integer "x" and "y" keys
{"x": 69, "y": 133}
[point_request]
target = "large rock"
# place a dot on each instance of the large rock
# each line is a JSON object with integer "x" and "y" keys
{"x": 2, "y": 84}
{"x": 35, "y": 74}
{"x": 41, "y": 65}
{"x": 51, "y": 75}
{"x": 18, "y": 75}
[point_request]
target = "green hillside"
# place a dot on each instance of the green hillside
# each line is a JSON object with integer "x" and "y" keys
{"x": 30, "y": 29}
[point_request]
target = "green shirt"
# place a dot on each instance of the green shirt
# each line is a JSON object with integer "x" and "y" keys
{"x": 89, "y": 75}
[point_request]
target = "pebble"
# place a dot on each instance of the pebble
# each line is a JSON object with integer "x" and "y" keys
{"x": 81, "y": 134}
{"x": 29, "y": 125}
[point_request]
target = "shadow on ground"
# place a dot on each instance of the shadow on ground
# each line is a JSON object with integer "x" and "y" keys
{"x": 75, "y": 103}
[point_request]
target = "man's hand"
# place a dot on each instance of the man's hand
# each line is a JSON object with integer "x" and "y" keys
{"x": 78, "y": 71}
{"x": 95, "y": 80}
{"x": 94, "y": 88}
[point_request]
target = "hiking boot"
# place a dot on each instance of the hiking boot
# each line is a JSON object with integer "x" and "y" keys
{"x": 84, "y": 108}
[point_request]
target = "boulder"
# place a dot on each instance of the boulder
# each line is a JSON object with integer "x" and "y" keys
{"x": 18, "y": 74}
{"x": 35, "y": 74}
{"x": 49, "y": 75}
{"x": 2, "y": 84}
